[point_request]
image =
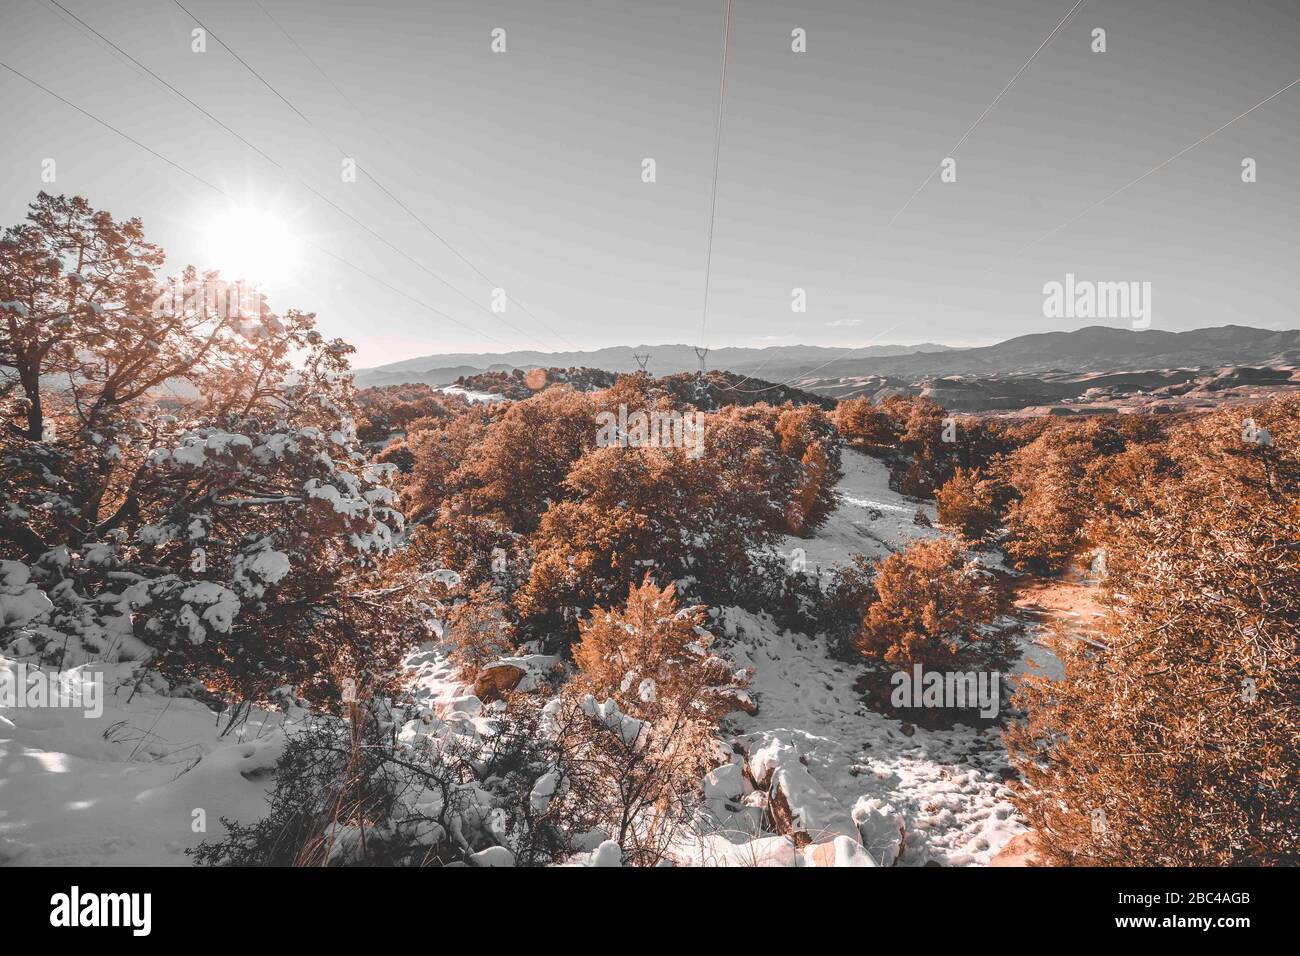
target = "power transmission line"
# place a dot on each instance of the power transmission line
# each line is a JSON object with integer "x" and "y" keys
{"x": 1155, "y": 169}
{"x": 988, "y": 109}
{"x": 279, "y": 166}
{"x": 387, "y": 192}
{"x": 717, "y": 146}
{"x": 222, "y": 192}
{"x": 347, "y": 99}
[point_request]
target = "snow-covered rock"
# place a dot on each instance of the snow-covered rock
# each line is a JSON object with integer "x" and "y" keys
{"x": 493, "y": 856}
{"x": 726, "y": 782}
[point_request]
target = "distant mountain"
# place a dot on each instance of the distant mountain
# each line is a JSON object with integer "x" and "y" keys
{"x": 1092, "y": 349}
{"x": 664, "y": 360}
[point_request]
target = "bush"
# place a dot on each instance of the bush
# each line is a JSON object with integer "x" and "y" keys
{"x": 347, "y": 794}
{"x": 1173, "y": 743}
{"x": 966, "y": 502}
{"x": 932, "y": 605}
{"x": 478, "y": 632}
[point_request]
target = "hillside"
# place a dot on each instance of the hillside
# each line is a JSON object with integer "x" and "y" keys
{"x": 1091, "y": 349}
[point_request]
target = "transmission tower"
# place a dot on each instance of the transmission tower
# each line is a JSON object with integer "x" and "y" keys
{"x": 642, "y": 360}
{"x": 701, "y": 351}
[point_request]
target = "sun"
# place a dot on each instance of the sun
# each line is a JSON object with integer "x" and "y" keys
{"x": 246, "y": 242}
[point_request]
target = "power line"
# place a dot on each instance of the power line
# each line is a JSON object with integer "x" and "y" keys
{"x": 209, "y": 32}
{"x": 988, "y": 109}
{"x": 279, "y": 166}
{"x": 717, "y": 147}
{"x": 410, "y": 212}
{"x": 159, "y": 79}
{"x": 1155, "y": 169}
{"x": 130, "y": 139}
{"x": 222, "y": 192}
{"x": 347, "y": 99}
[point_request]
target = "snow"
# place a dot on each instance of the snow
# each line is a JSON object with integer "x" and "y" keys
{"x": 133, "y": 787}
{"x": 870, "y": 519}
{"x": 726, "y": 782}
{"x": 840, "y": 761}
{"x": 608, "y": 853}
{"x": 472, "y": 396}
{"x": 815, "y": 735}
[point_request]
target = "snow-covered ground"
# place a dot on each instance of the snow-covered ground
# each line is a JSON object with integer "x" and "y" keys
{"x": 470, "y": 395}
{"x": 134, "y": 785}
{"x": 946, "y": 784}
{"x": 870, "y": 519}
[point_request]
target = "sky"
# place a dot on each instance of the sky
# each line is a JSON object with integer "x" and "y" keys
{"x": 529, "y": 163}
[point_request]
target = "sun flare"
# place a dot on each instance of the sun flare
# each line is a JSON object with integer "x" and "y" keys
{"x": 253, "y": 244}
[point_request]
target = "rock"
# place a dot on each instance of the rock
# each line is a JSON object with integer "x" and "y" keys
{"x": 494, "y": 680}
{"x": 608, "y": 853}
{"x": 1020, "y": 851}
{"x": 882, "y": 829}
{"x": 920, "y": 519}
{"x": 740, "y": 700}
{"x": 469, "y": 706}
{"x": 907, "y": 730}
{"x": 800, "y": 808}
{"x": 842, "y": 851}
{"x": 726, "y": 782}
{"x": 492, "y": 856}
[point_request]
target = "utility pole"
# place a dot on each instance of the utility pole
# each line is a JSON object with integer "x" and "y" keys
{"x": 701, "y": 351}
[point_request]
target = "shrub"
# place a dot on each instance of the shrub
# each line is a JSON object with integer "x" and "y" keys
{"x": 932, "y": 604}
{"x": 1173, "y": 742}
{"x": 966, "y": 502}
{"x": 478, "y": 631}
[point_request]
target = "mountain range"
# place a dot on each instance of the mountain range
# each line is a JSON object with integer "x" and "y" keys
{"x": 1091, "y": 349}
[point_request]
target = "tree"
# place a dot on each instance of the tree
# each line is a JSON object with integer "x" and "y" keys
{"x": 806, "y": 433}
{"x": 865, "y": 427}
{"x": 966, "y": 502}
{"x": 1063, "y": 480}
{"x": 644, "y": 717}
{"x": 1170, "y": 740}
{"x": 932, "y": 604}
{"x": 234, "y": 543}
{"x": 522, "y": 461}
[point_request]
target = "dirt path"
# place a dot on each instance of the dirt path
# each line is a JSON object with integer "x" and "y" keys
{"x": 1072, "y": 607}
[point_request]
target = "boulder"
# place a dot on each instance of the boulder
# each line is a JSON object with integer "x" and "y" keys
{"x": 882, "y": 829}
{"x": 726, "y": 782}
{"x": 841, "y": 851}
{"x": 800, "y": 808}
{"x": 492, "y": 856}
{"x": 449, "y": 708}
{"x": 1019, "y": 851}
{"x": 740, "y": 700}
{"x": 495, "y": 679}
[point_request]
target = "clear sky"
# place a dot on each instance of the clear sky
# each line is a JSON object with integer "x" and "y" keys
{"x": 529, "y": 162}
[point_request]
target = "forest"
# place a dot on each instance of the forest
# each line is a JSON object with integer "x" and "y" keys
{"x": 195, "y": 500}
